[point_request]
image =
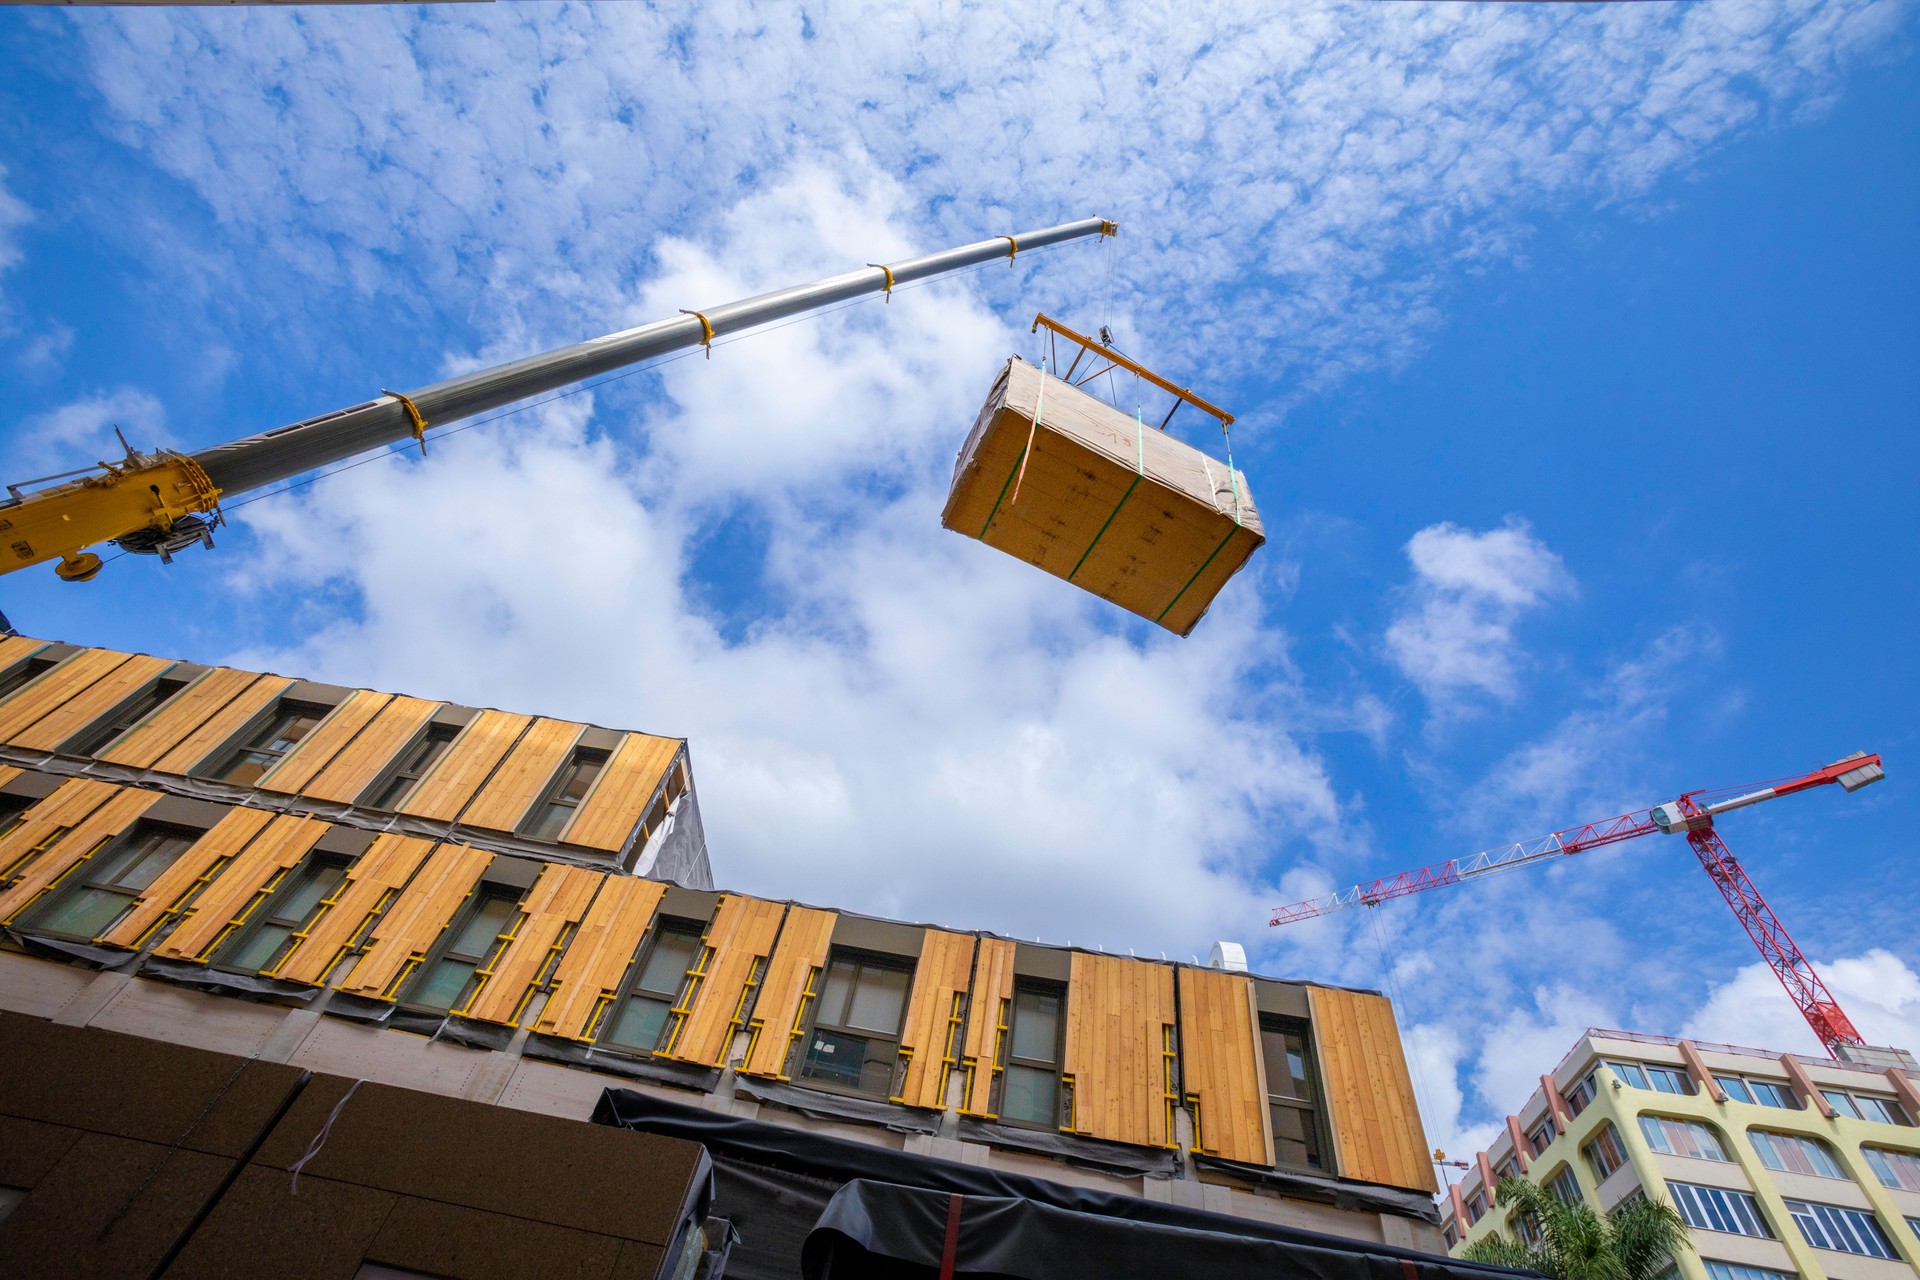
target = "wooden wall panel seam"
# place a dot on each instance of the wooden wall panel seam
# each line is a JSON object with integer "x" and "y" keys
{"x": 81, "y": 841}
{"x": 194, "y": 750}
{"x": 53, "y": 689}
{"x": 504, "y": 799}
{"x": 595, "y": 965}
{"x": 386, "y": 868}
{"x": 372, "y": 750}
{"x": 558, "y": 900}
{"x": 328, "y": 739}
{"x": 806, "y": 938}
{"x": 163, "y": 898}
{"x": 91, "y": 703}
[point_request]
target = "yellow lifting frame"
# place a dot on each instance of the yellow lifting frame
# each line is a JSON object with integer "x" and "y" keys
{"x": 1044, "y": 321}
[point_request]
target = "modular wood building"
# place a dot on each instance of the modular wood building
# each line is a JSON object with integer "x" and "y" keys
{"x": 519, "y": 911}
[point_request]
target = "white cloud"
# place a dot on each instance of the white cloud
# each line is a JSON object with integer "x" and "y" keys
{"x": 82, "y": 430}
{"x": 1879, "y": 991}
{"x": 1454, "y": 635}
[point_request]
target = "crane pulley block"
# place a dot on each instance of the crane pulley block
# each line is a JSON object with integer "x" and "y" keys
{"x": 144, "y": 495}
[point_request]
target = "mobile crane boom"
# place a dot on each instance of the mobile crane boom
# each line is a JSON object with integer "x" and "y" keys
{"x": 163, "y": 501}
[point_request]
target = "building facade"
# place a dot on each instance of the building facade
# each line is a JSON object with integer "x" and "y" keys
{"x": 519, "y": 911}
{"x": 1782, "y": 1165}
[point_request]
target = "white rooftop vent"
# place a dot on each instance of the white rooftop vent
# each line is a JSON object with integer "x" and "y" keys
{"x": 1230, "y": 956}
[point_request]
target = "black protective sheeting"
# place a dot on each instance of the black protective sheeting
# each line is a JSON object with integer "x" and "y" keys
{"x": 876, "y": 1230}
{"x": 776, "y": 1182}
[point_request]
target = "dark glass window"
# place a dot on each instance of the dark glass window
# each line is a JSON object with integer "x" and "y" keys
{"x": 265, "y": 940}
{"x": 398, "y": 783}
{"x": 641, "y": 1018}
{"x": 109, "y": 884}
{"x": 24, "y": 674}
{"x": 446, "y": 981}
{"x": 290, "y": 723}
{"x": 1293, "y": 1094}
{"x": 97, "y": 736}
{"x": 855, "y": 1040}
{"x": 12, "y": 809}
{"x": 550, "y": 817}
{"x": 1030, "y": 1081}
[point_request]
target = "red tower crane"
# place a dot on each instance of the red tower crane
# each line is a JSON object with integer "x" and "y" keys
{"x": 1693, "y": 814}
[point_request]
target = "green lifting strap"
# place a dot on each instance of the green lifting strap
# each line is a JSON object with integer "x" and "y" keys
{"x": 1140, "y": 469}
{"x": 1234, "y": 481}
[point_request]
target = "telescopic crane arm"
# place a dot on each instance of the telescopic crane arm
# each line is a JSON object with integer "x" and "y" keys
{"x": 1692, "y": 815}
{"x": 163, "y": 501}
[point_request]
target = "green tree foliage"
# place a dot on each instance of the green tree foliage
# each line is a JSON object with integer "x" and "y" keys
{"x": 1636, "y": 1242}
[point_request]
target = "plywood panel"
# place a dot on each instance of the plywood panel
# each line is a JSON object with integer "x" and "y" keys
{"x": 1220, "y": 1065}
{"x": 992, "y": 989}
{"x": 1117, "y": 1013}
{"x": 805, "y": 939}
{"x": 374, "y": 879}
{"x": 223, "y": 904}
{"x": 481, "y": 745}
{"x": 86, "y": 836}
{"x": 522, "y": 776}
{"x": 940, "y": 979}
{"x": 557, "y": 901}
{"x": 91, "y": 703}
{"x": 1377, "y": 1130}
{"x": 619, "y": 797}
{"x": 354, "y": 769}
{"x": 590, "y": 972}
{"x": 741, "y": 936}
{"x": 408, "y": 929}
{"x": 39, "y": 698}
{"x": 301, "y": 765}
{"x": 169, "y": 892}
{"x": 66, "y": 807}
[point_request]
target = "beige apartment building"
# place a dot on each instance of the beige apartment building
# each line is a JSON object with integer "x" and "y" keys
{"x": 1782, "y": 1165}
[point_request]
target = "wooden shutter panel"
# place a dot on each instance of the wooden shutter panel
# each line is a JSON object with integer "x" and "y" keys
{"x": 1118, "y": 1010}
{"x": 1221, "y": 1066}
{"x": 248, "y": 878}
{"x": 354, "y": 769}
{"x": 411, "y": 925}
{"x": 992, "y": 988}
{"x": 171, "y": 889}
{"x": 40, "y": 697}
{"x": 558, "y": 899}
{"x": 939, "y": 990}
{"x": 186, "y": 712}
{"x": 302, "y": 764}
{"x": 468, "y": 761}
{"x": 590, "y": 972}
{"x": 105, "y": 821}
{"x": 522, "y": 776}
{"x": 1363, "y": 1072}
{"x": 805, "y": 939}
{"x": 375, "y": 878}
{"x": 89, "y": 704}
{"x": 738, "y": 939}
{"x": 619, "y": 797}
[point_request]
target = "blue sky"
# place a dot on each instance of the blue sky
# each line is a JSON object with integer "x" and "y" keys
{"x": 1573, "y": 351}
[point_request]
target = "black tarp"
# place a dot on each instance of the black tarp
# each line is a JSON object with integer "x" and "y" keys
{"x": 776, "y": 1184}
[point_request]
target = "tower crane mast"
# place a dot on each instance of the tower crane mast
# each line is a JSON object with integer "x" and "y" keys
{"x": 1692, "y": 815}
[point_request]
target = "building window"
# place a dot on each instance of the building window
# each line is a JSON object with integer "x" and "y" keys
{"x": 1604, "y": 1153}
{"x": 1914, "y": 1224}
{"x": 1627, "y": 1201}
{"x": 1864, "y": 1106}
{"x": 1828, "y": 1226}
{"x": 855, "y": 1041}
{"x": 1734, "y": 1271}
{"x": 1476, "y": 1206}
{"x": 550, "y": 817}
{"x": 1030, "y": 1080}
{"x": 285, "y": 728}
{"x": 658, "y": 980}
{"x": 1630, "y": 1074}
{"x": 1580, "y": 1095}
{"x": 1669, "y": 1080}
{"x": 1452, "y": 1235}
{"x": 1293, "y": 1094}
{"x": 1790, "y": 1153}
{"x": 264, "y": 942}
{"x": 446, "y": 981}
{"x": 1508, "y": 1168}
{"x": 394, "y": 786}
{"x": 13, "y": 810}
{"x": 1528, "y": 1229}
{"x": 1687, "y": 1138}
{"x": 23, "y": 675}
{"x": 1542, "y": 1137}
{"x": 1897, "y": 1169}
{"x": 102, "y": 733}
{"x": 1717, "y": 1209}
{"x": 1735, "y": 1088}
{"x": 1842, "y": 1105}
{"x": 109, "y": 884}
{"x": 1563, "y": 1186}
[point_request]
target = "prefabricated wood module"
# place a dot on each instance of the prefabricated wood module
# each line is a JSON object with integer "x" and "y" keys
{"x": 1092, "y": 495}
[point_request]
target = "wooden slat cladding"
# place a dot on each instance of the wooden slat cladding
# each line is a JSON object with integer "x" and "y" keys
{"x": 805, "y": 939}
{"x": 379, "y": 874}
{"x": 1220, "y": 1064}
{"x": 354, "y": 769}
{"x": 18, "y": 649}
{"x": 992, "y": 988}
{"x": 65, "y": 808}
{"x": 317, "y": 749}
{"x": 619, "y": 797}
{"x": 107, "y": 820}
{"x": 444, "y": 792}
{"x": 946, "y": 962}
{"x": 250, "y": 876}
{"x": 91, "y": 703}
{"x": 66, "y": 681}
{"x": 1117, "y": 1013}
{"x": 1377, "y": 1129}
{"x": 184, "y": 716}
{"x": 170, "y": 889}
{"x": 557, "y": 901}
{"x": 522, "y": 776}
{"x": 602, "y": 949}
{"x": 410, "y": 926}
{"x": 222, "y": 725}
{"x": 740, "y": 935}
